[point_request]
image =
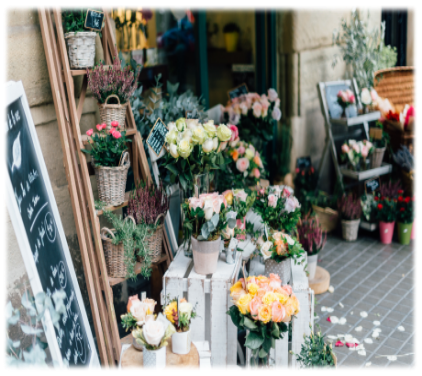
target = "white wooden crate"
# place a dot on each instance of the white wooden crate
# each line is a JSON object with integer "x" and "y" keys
{"x": 212, "y": 293}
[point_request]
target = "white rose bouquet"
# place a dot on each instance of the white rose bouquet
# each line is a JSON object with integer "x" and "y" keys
{"x": 187, "y": 312}
{"x": 153, "y": 335}
{"x": 194, "y": 149}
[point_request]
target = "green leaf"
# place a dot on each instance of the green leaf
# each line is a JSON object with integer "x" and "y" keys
{"x": 254, "y": 340}
{"x": 275, "y": 332}
{"x": 235, "y": 315}
{"x": 249, "y": 323}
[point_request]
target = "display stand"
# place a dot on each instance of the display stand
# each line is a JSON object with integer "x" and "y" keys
{"x": 78, "y": 171}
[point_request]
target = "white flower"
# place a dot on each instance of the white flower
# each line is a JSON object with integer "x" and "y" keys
{"x": 290, "y": 241}
{"x": 208, "y": 213}
{"x": 186, "y": 135}
{"x": 173, "y": 151}
{"x": 215, "y": 143}
{"x": 191, "y": 123}
{"x": 198, "y": 136}
{"x": 139, "y": 311}
{"x": 186, "y": 308}
{"x": 171, "y": 126}
{"x": 223, "y": 145}
{"x": 365, "y": 97}
{"x": 291, "y": 204}
{"x": 265, "y": 250}
{"x": 171, "y": 137}
{"x": 153, "y": 332}
{"x": 249, "y": 153}
{"x": 272, "y": 95}
{"x": 207, "y": 146}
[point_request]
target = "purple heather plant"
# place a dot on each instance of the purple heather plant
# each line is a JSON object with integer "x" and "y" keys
{"x": 310, "y": 235}
{"x": 113, "y": 79}
{"x": 390, "y": 189}
{"x": 350, "y": 207}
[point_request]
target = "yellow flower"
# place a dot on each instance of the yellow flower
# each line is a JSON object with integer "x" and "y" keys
{"x": 168, "y": 311}
{"x": 249, "y": 154}
{"x": 295, "y": 304}
{"x": 262, "y": 278}
{"x": 253, "y": 288}
{"x": 223, "y": 133}
{"x": 237, "y": 285}
{"x": 198, "y": 135}
{"x": 243, "y": 304}
{"x": 264, "y": 313}
{"x": 269, "y": 298}
{"x": 237, "y": 293}
{"x": 210, "y": 129}
{"x": 281, "y": 297}
{"x": 292, "y": 306}
{"x": 181, "y": 124}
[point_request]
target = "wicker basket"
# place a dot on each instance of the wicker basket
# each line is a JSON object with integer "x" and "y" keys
{"x": 114, "y": 253}
{"x": 111, "y": 181}
{"x": 377, "y": 156}
{"x": 328, "y": 218}
{"x": 398, "y": 85}
{"x": 113, "y": 112}
{"x": 81, "y": 49}
{"x": 407, "y": 179}
{"x": 155, "y": 242}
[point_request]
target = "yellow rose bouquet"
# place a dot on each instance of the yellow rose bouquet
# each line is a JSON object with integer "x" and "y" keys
{"x": 262, "y": 306}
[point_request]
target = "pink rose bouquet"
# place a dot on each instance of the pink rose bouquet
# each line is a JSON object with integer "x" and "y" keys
{"x": 345, "y": 98}
{"x": 356, "y": 152}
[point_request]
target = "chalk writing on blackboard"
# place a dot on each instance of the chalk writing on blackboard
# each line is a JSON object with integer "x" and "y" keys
{"x": 94, "y": 20}
{"x": 157, "y": 137}
{"x": 238, "y": 91}
{"x": 372, "y": 185}
{"x": 303, "y": 162}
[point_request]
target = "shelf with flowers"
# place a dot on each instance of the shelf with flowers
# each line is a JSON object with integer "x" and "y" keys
{"x": 262, "y": 307}
{"x": 405, "y": 213}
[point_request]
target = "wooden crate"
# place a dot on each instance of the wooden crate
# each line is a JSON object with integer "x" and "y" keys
{"x": 212, "y": 293}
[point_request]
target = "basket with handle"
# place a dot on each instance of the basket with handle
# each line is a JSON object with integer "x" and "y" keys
{"x": 328, "y": 218}
{"x": 155, "y": 242}
{"x": 111, "y": 181}
{"x": 81, "y": 49}
{"x": 114, "y": 253}
{"x": 113, "y": 112}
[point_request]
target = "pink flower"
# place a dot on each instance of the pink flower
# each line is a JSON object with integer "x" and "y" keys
{"x": 352, "y": 98}
{"x": 288, "y": 289}
{"x": 328, "y": 319}
{"x": 291, "y": 204}
{"x": 364, "y": 151}
{"x": 272, "y": 95}
{"x": 254, "y": 305}
{"x": 278, "y": 312}
{"x": 99, "y": 127}
{"x": 264, "y": 103}
{"x": 241, "y": 195}
{"x": 242, "y": 164}
{"x": 89, "y": 132}
{"x": 115, "y": 124}
{"x": 235, "y": 132}
{"x": 104, "y": 125}
{"x": 116, "y": 134}
{"x": 276, "y": 114}
{"x": 275, "y": 281}
{"x": 345, "y": 148}
{"x": 216, "y": 204}
{"x": 257, "y": 109}
{"x": 338, "y": 343}
{"x": 286, "y": 192}
{"x": 356, "y": 148}
{"x": 374, "y": 95}
{"x": 195, "y": 203}
{"x": 241, "y": 150}
{"x": 272, "y": 200}
{"x": 244, "y": 108}
{"x": 256, "y": 173}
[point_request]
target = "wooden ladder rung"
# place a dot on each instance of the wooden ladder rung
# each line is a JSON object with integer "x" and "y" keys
{"x": 78, "y": 72}
{"x": 113, "y": 208}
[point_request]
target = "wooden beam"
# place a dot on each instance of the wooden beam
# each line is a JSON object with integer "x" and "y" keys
{"x": 82, "y": 97}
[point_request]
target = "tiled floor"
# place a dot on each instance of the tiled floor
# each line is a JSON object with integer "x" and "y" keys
{"x": 371, "y": 277}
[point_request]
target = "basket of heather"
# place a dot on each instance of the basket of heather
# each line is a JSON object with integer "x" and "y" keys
{"x": 350, "y": 209}
{"x": 149, "y": 205}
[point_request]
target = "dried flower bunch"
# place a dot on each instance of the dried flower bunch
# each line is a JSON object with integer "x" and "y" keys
{"x": 310, "y": 235}
{"x": 114, "y": 79}
{"x": 350, "y": 207}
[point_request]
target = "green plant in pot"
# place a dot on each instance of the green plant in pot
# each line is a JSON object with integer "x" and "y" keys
{"x": 405, "y": 215}
{"x": 231, "y": 36}
{"x": 350, "y": 209}
{"x": 386, "y": 215}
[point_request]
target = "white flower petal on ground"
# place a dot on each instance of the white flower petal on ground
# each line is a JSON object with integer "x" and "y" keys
{"x": 348, "y": 338}
{"x": 340, "y": 335}
{"x": 377, "y": 323}
{"x": 362, "y": 352}
{"x": 355, "y": 340}
{"x": 329, "y": 309}
{"x": 323, "y": 309}
{"x": 358, "y": 328}
{"x": 332, "y": 337}
{"x": 341, "y": 305}
{"x": 331, "y": 289}
{"x": 401, "y": 328}
{"x": 334, "y": 319}
{"x": 375, "y": 334}
{"x": 392, "y": 358}
{"x": 342, "y": 321}
{"x": 364, "y": 314}
{"x": 378, "y": 330}
{"x": 351, "y": 313}
{"x": 368, "y": 340}
{"x": 360, "y": 347}
{"x": 368, "y": 364}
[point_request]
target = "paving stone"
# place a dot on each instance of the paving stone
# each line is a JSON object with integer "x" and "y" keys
{"x": 380, "y": 362}
{"x": 394, "y": 343}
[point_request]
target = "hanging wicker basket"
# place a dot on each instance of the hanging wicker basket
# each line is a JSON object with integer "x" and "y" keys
{"x": 328, "y": 218}
{"x": 155, "y": 242}
{"x": 111, "y": 181}
{"x": 81, "y": 49}
{"x": 113, "y": 112}
{"x": 114, "y": 253}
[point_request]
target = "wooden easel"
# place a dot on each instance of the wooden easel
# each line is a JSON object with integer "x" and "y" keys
{"x": 78, "y": 173}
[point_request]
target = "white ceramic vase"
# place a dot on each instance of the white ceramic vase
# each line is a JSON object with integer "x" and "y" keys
{"x": 180, "y": 342}
{"x": 155, "y": 358}
{"x": 312, "y": 264}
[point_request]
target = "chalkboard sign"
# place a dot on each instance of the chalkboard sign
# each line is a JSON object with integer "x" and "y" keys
{"x": 334, "y": 109}
{"x": 303, "y": 162}
{"x": 192, "y": 114}
{"x": 157, "y": 137}
{"x": 372, "y": 185}
{"x": 238, "y": 91}
{"x": 42, "y": 242}
{"x": 94, "y": 20}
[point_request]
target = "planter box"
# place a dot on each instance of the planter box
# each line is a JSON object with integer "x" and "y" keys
{"x": 385, "y": 168}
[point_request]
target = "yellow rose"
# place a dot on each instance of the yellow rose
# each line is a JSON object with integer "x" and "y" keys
{"x": 181, "y": 124}
{"x": 292, "y": 306}
{"x": 295, "y": 304}
{"x": 210, "y": 129}
{"x": 249, "y": 154}
{"x": 171, "y": 137}
{"x": 243, "y": 304}
{"x": 269, "y": 298}
{"x": 198, "y": 135}
{"x": 252, "y": 288}
{"x": 223, "y": 133}
{"x": 236, "y": 286}
{"x": 237, "y": 293}
{"x": 168, "y": 311}
{"x": 228, "y": 195}
{"x": 184, "y": 148}
{"x": 264, "y": 313}
{"x": 281, "y": 297}
{"x": 262, "y": 278}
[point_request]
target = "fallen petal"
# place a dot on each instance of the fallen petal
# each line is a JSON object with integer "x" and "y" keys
{"x": 362, "y": 352}
{"x": 375, "y": 334}
{"x": 342, "y": 321}
{"x": 332, "y": 337}
{"x": 348, "y": 338}
{"x": 368, "y": 364}
{"x": 333, "y": 319}
{"x": 392, "y": 357}
{"x": 359, "y": 347}
{"x": 323, "y": 309}
{"x": 358, "y": 329}
{"x": 339, "y": 344}
{"x": 364, "y": 314}
{"x": 340, "y": 335}
{"x": 331, "y": 289}
{"x": 330, "y": 310}
{"x": 401, "y": 328}
{"x": 378, "y": 330}
{"x": 377, "y": 323}
{"x": 368, "y": 340}
{"x": 328, "y": 319}
{"x": 355, "y": 340}
{"x": 341, "y": 305}
{"x": 350, "y": 344}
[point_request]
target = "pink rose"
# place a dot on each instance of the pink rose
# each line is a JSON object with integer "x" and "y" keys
{"x": 104, "y": 125}
{"x": 276, "y": 114}
{"x": 242, "y": 164}
{"x": 89, "y": 132}
{"x": 352, "y": 98}
{"x": 291, "y": 204}
{"x": 254, "y": 305}
{"x": 195, "y": 203}
{"x": 257, "y": 109}
{"x": 115, "y": 124}
{"x": 264, "y": 103}
{"x": 241, "y": 150}
{"x": 235, "y": 132}
{"x": 272, "y": 200}
{"x": 99, "y": 127}
{"x": 116, "y": 134}
{"x": 241, "y": 195}
{"x": 374, "y": 95}
{"x": 244, "y": 108}
{"x": 205, "y": 196}
{"x": 345, "y": 148}
{"x": 222, "y": 146}
{"x": 256, "y": 173}
{"x": 272, "y": 95}
{"x": 288, "y": 289}
{"x": 364, "y": 151}
{"x": 286, "y": 192}
{"x": 275, "y": 278}
{"x": 356, "y": 148}
{"x": 278, "y": 311}
{"x": 216, "y": 204}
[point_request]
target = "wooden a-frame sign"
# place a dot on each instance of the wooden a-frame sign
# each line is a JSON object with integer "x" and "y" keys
{"x": 69, "y": 113}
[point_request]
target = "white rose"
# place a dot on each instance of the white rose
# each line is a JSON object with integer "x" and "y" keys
{"x": 207, "y": 146}
{"x": 150, "y": 303}
{"x": 153, "y": 332}
{"x": 265, "y": 250}
{"x": 186, "y": 135}
{"x": 171, "y": 126}
{"x": 186, "y": 308}
{"x": 249, "y": 153}
{"x": 192, "y": 123}
{"x": 365, "y": 96}
{"x": 215, "y": 143}
{"x": 173, "y": 151}
{"x": 198, "y": 135}
{"x": 210, "y": 128}
{"x": 289, "y": 239}
{"x": 291, "y": 204}
{"x": 184, "y": 148}
{"x": 208, "y": 213}
{"x": 139, "y": 312}
{"x": 171, "y": 137}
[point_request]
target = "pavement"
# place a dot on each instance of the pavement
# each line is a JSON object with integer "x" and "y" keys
{"x": 373, "y": 289}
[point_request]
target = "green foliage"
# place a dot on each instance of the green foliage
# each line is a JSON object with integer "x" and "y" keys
{"x": 128, "y": 321}
{"x": 363, "y": 50}
{"x": 315, "y": 352}
{"x": 242, "y": 207}
{"x": 369, "y": 208}
{"x": 405, "y": 209}
{"x": 305, "y": 183}
{"x": 73, "y": 20}
{"x": 324, "y": 200}
{"x": 386, "y": 209}
{"x": 295, "y": 251}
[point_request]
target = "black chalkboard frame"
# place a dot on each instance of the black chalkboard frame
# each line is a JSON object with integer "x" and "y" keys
{"x": 236, "y": 88}
{"x": 149, "y": 135}
{"x": 86, "y": 19}
{"x": 369, "y": 180}
{"x": 15, "y": 91}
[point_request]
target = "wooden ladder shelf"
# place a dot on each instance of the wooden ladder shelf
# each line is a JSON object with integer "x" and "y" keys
{"x": 78, "y": 172}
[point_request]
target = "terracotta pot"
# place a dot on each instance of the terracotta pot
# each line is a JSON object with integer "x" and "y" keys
{"x": 181, "y": 342}
{"x": 205, "y": 255}
{"x": 405, "y": 231}
{"x": 350, "y": 229}
{"x": 386, "y": 232}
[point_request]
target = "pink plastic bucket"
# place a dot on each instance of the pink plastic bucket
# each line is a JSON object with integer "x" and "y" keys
{"x": 386, "y": 232}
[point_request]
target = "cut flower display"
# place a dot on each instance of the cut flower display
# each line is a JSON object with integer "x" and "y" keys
{"x": 182, "y": 320}
{"x": 154, "y": 335}
{"x": 356, "y": 152}
{"x": 280, "y": 246}
{"x": 345, "y": 98}
{"x": 138, "y": 312}
{"x": 405, "y": 208}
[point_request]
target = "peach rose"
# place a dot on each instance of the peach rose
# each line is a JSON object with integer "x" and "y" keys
{"x": 235, "y": 155}
{"x": 288, "y": 289}
{"x": 260, "y": 293}
{"x": 275, "y": 281}
{"x": 256, "y": 173}
{"x": 254, "y": 306}
{"x": 264, "y": 313}
{"x": 257, "y": 160}
{"x": 195, "y": 203}
{"x": 132, "y": 299}
{"x": 278, "y": 312}
{"x": 242, "y": 164}
{"x": 236, "y": 294}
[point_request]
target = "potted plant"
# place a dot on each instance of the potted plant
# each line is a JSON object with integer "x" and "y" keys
{"x": 205, "y": 219}
{"x": 138, "y": 313}
{"x": 315, "y": 352}
{"x": 231, "y": 36}
{"x": 110, "y": 160}
{"x": 404, "y": 217}
{"x": 262, "y": 307}
{"x": 369, "y": 208}
{"x": 325, "y": 208}
{"x": 386, "y": 215}
{"x": 180, "y": 315}
{"x": 355, "y": 153}
{"x": 80, "y": 41}
{"x": 153, "y": 336}
{"x": 277, "y": 251}
{"x": 148, "y": 205}
{"x": 345, "y": 98}
{"x": 113, "y": 87}
{"x": 350, "y": 210}
{"x": 313, "y": 239}
{"x": 379, "y": 145}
